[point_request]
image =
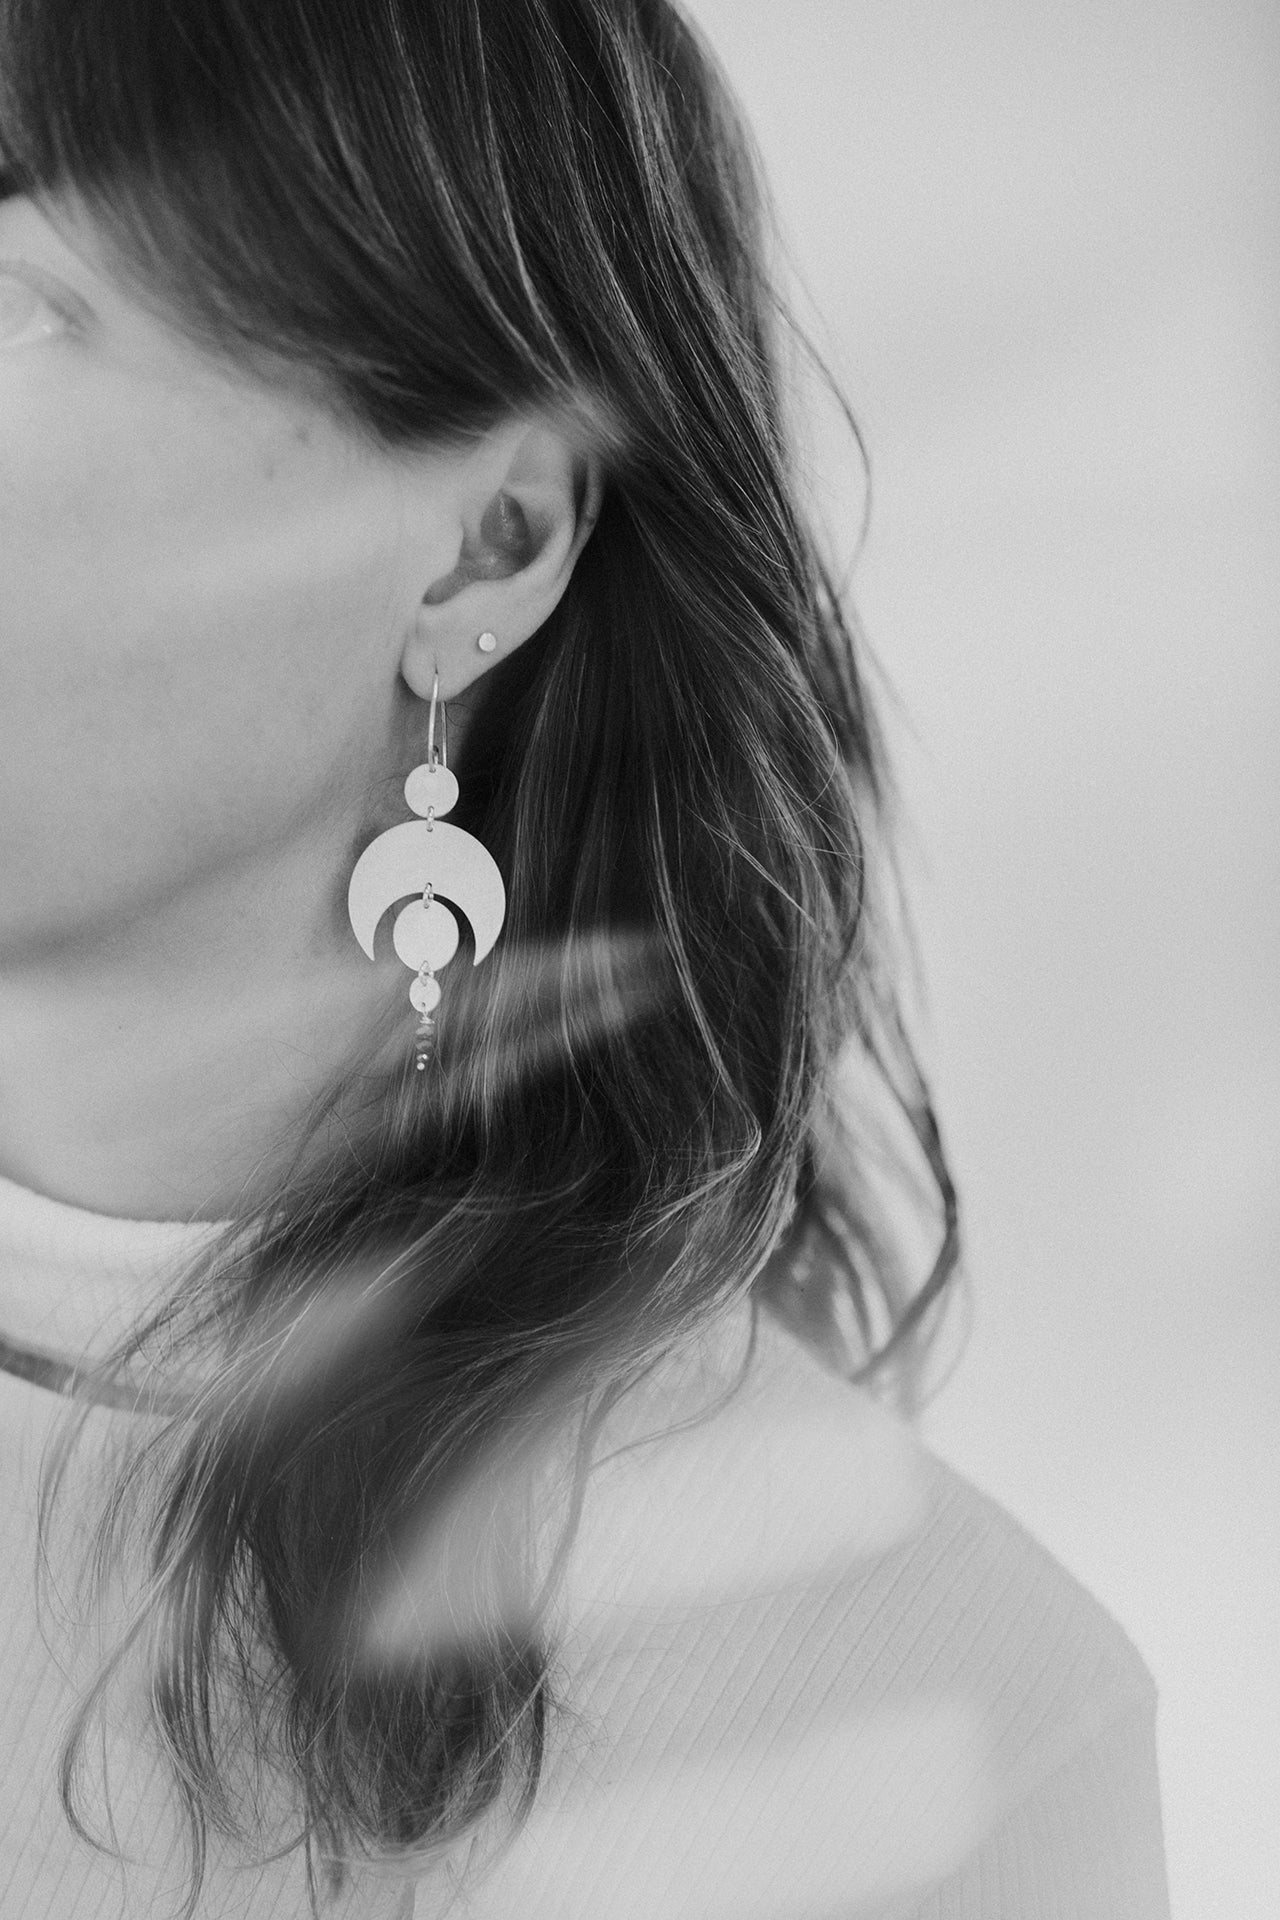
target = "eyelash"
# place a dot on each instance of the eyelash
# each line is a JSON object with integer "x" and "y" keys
{"x": 71, "y": 313}
{"x": 43, "y": 306}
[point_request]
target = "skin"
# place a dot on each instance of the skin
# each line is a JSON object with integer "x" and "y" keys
{"x": 221, "y": 615}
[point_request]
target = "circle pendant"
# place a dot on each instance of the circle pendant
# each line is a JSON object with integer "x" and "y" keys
{"x": 431, "y": 789}
{"x": 425, "y": 936}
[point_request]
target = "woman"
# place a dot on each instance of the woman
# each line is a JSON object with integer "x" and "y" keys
{"x": 457, "y": 1362}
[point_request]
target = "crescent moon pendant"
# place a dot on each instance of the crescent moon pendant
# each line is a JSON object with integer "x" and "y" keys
{"x": 403, "y": 859}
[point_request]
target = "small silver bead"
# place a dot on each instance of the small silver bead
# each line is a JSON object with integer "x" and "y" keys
{"x": 487, "y": 642}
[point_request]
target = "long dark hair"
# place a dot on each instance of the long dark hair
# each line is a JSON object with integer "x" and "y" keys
{"x": 449, "y": 211}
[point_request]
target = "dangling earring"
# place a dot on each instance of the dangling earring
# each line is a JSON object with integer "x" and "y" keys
{"x": 423, "y": 857}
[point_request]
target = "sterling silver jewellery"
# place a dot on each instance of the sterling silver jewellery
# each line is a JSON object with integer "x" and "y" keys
{"x": 430, "y": 859}
{"x": 487, "y": 642}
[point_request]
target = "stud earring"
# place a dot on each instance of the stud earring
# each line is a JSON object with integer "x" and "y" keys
{"x": 487, "y": 642}
{"x": 428, "y": 858}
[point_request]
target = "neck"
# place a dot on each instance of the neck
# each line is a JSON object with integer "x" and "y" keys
{"x": 162, "y": 1067}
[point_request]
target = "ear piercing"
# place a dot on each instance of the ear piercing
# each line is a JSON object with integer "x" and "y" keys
{"x": 487, "y": 642}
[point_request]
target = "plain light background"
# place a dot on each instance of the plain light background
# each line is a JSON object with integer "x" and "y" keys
{"x": 1043, "y": 242}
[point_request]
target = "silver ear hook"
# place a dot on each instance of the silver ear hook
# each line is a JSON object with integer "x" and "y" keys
{"x": 437, "y": 756}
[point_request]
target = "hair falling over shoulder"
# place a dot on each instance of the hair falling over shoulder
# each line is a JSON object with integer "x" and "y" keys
{"x": 642, "y": 1112}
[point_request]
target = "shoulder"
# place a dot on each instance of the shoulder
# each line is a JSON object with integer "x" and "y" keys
{"x": 792, "y": 1621}
{"x": 804, "y": 1498}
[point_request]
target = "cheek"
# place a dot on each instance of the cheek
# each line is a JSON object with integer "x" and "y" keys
{"x": 194, "y": 642}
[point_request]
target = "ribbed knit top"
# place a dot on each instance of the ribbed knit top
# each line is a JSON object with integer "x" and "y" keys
{"x": 807, "y": 1672}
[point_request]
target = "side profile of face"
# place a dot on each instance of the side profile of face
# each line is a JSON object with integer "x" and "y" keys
{"x": 193, "y": 604}
{"x": 206, "y": 591}
{"x": 221, "y": 612}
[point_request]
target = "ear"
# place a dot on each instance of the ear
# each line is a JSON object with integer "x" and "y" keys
{"x": 526, "y": 503}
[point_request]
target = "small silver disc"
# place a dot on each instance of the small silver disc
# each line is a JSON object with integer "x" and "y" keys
{"x": 424, "y": 995}
{"x": 425, "y": 936}
{"x": 431, "y": 790}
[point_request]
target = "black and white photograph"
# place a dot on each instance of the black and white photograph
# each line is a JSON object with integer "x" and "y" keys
{"x": 639, "y": 960}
